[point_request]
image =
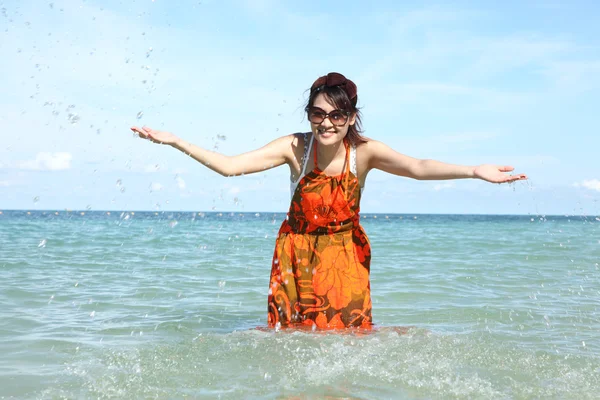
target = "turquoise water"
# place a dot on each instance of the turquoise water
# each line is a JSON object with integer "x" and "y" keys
{"x": 164, "y": 305}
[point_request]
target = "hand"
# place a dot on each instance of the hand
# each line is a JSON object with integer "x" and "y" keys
{"x": 496, "y": 174}
{"x": 160, "y": 137}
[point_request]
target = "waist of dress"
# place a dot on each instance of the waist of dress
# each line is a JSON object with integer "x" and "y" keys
{"x": 304, "y": 226}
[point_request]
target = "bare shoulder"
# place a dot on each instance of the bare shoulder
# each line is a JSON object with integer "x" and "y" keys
{"x": 286, "y": 144}
{"x": 369, "y": 149}
{"x": 371, "y": 145}
{"x": 297, "y": 142}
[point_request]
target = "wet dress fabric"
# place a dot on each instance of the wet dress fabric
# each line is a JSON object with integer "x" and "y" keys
{"x": 321, "y": 263}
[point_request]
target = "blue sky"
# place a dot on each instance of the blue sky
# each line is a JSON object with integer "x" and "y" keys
{"x": 463, "y": 82}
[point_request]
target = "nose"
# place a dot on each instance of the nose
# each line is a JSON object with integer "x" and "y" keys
{"x": 327, "y": 122}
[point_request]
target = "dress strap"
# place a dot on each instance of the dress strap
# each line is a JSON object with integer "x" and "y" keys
{"x": 304, "y": 163}
{"x": 347, "y": 166}
{"x": 315, "y": 155}
{"x": 306, "y": 152}
{"x": 353, "y": 159}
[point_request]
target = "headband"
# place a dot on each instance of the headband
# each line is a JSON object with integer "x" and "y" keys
{"x": 336, "y": 79}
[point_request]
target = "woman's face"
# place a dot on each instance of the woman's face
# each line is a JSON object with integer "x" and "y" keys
{"x": 326, "y": 132}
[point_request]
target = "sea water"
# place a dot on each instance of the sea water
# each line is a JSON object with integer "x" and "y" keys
{"x": 166, "y": 305}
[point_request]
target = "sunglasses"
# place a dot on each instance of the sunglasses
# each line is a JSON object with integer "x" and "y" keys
{"x": 337, "y": 117}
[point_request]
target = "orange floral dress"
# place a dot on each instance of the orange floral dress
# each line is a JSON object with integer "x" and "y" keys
{"x": 320, "y": 270}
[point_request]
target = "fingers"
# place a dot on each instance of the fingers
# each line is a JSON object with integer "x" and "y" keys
{"x": 518, "y": 177}
{"x": 138, "y": 131}
{"x": 144, "y": 132}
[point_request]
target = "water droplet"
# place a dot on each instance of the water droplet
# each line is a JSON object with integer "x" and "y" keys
{"x": 122, "y": 189}
{"x": 173, "y": 224}
{"x": 73, "y": 118}
{"x": 42, "y": 243}
{"x": 119, "y": 182}
{"x": 93, "y": 314}
{"x": 222, "y": 284}
{"x": 36, "y": 199}
{"x": 140, "y": 115}
{"x": 267, "y": 376}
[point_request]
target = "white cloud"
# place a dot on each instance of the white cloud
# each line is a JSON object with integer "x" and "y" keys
{"x": 592, "y": 184}
{"x": 441, "y": 186}
{"x": 155, "y": 187}
{"x": 45, "y": 161}
{"x": 574, "y": 76}
{"x": 180, "y": 182}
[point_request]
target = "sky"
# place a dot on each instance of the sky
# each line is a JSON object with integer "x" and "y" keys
{"x": 515, "y": 82}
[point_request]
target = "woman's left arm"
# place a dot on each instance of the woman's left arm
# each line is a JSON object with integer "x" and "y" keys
{"x": 382, "y": 157}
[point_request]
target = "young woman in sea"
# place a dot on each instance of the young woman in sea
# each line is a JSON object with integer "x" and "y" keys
{"x": 321, "y": 263}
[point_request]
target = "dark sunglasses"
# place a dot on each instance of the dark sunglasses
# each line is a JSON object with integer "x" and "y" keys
{"x": 337, "y": 117}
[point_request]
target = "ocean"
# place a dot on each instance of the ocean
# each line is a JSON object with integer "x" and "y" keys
{"x": 97, "y": 304}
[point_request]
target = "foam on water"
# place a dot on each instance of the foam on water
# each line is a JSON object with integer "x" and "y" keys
{"x": 252, "y": 363}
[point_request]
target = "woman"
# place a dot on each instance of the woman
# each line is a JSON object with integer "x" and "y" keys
{"x": 320, "y": 269}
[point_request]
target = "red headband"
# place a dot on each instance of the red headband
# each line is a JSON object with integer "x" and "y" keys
{"x": 336, "y": 79}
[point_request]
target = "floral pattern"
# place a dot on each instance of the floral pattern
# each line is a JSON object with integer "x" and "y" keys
{"x": 321, "y": 263}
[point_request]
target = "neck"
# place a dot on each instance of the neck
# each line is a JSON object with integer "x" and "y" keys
{"x": 327, "y": 154}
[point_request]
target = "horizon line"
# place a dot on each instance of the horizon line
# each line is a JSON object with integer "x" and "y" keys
{"x": 66, "y": 210}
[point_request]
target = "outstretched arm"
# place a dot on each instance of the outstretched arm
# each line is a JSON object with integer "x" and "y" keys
{"x": 386, "y": 159}
{"x": 272, "y": 155}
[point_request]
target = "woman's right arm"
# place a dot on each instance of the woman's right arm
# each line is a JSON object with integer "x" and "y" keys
{"x": 274, "y": 154}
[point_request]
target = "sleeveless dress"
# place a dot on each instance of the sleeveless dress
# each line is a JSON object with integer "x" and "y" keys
{"x": 321, "y": 263}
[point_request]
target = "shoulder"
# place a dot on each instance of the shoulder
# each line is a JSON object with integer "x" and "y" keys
{"x": 297, "y": 143}
{"x": 300, "y": 137}
{"x": 293, "y": 140}
{"x": 370, "y": 147}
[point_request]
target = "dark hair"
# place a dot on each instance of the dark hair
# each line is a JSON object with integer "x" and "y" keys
{"x": 338, "y": 96}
